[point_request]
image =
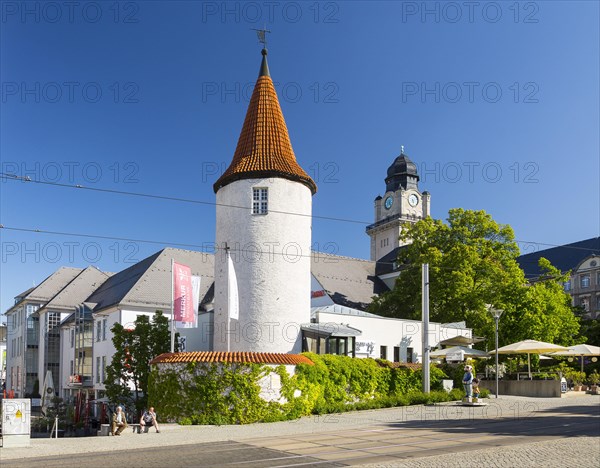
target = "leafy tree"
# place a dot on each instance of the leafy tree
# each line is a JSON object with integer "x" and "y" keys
{"x": 472, "y": 263}
{"x": 545, "y": 311}
{"x": 134, "y": 349}
{"x": 591, "y": 329}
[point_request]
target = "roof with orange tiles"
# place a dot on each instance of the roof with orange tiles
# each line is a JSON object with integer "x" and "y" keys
{"x": 232, "y": 357}
{"x": 264, "y": 148}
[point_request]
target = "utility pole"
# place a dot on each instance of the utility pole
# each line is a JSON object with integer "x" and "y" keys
{"x": 496, "y": 313}
{"x": 425, "y": 318}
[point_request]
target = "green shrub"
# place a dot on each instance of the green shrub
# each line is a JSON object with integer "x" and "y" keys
{"x": 205, "y": 393}
{"x": 457, "y": 394}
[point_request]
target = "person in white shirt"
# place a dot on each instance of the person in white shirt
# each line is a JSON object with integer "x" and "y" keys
{"x": 119, "y": 422}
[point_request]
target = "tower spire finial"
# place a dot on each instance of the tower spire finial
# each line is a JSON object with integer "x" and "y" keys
{"x": 262, "y": 38}
{"x": 402, "y": 149}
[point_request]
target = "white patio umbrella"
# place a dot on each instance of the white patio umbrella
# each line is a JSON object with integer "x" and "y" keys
{"x": 529, "y": 347}
{"x": 579, "y": 350}
{"x": 467, "y": 352}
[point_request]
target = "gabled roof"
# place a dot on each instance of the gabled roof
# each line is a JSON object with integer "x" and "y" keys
{"x": 348, "y": 281}
{"x": 50, "y": 287}
{"x": 148, "y": 283}
{"x": 565, "y": 257}
{"x": 74, "y": 293}
{"x": 232, "y": 357}
{"x": 264, "y": 148}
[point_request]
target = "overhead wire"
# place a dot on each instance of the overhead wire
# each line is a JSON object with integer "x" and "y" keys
{"x": 14, "y": 177}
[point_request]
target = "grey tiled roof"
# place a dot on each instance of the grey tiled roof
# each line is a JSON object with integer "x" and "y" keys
{"x": 74, "y": 293}
{"x": 51, "y": 286}
{"x": 565, "y": 257}
{"x": 349, "y": 281}
{"x": 148, "y": 283}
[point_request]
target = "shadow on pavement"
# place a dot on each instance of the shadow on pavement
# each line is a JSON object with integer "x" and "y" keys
{"x": 579, "y": 423}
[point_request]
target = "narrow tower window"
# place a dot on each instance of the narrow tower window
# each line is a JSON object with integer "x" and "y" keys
{"x": 259, "y": 200}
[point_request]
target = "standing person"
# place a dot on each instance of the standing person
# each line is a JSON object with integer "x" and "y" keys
{"x": 476, "y": 391}
{"x": 468, "y": 382}
{"x": 119, "y": 422}
{"x": 149, "y": 419}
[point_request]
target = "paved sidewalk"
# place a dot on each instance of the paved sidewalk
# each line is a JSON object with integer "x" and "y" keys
{"x": 505, "y": 410}
{"x": 577, "y": 452}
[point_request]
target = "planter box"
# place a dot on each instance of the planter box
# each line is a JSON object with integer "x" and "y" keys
{"x": 529, "y": 388}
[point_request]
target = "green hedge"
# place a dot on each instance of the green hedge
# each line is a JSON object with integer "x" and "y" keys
{"x": 204, "y": 393}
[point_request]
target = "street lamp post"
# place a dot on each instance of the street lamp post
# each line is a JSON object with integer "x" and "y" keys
{"x": 496, "y": 313}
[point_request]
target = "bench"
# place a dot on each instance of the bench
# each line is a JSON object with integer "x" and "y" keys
{"x": 105, "y": 429}
{"x": 136, "y": 428}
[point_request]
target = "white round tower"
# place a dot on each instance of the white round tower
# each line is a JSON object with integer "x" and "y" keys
{"x": 264, "y": 207}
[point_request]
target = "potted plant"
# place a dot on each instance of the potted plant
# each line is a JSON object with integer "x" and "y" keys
{"x": 594, "y": 380}
{"x": 578, "y": 378}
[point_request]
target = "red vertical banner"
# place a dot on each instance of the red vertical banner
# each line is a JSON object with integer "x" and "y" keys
{"x": 183, "y": 297}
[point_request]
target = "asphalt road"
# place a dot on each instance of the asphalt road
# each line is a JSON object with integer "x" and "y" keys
{"x": 387, "y": 443}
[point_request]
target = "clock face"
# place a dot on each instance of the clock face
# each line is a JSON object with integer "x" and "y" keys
{"x": 389, "y": 201}
{"x": 413, "y": 200}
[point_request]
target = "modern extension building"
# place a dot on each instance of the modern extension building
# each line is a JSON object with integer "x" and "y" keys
{"x": 23, "y": 330}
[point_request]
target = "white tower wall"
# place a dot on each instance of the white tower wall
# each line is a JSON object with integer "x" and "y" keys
{"x": 271, "y": 256}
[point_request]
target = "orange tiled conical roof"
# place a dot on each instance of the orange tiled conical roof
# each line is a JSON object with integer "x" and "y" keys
{"x": 232, "y": 357}
{"x": 264, "y": 148}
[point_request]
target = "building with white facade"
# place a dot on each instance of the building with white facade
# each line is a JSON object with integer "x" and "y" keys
{"x": 141, "y": 289}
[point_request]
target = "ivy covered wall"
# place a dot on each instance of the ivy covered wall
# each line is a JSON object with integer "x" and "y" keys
{"x": 220, "y": 393}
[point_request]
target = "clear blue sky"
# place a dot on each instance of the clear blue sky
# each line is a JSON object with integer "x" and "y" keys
{"x": 356, "y": 80}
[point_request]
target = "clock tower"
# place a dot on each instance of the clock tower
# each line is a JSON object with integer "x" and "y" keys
{"x": 402, "y": 203}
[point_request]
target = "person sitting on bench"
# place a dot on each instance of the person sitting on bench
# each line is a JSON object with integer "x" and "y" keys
{"x": 119, "y": 422}
{"x": 149, "y": 419}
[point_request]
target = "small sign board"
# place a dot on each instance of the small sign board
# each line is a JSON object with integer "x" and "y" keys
{"x": 563, "y": 385}
{"x": 456, "y": 356}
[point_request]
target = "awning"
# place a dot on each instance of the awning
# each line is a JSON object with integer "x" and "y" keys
{"x": 331, "y": 329}
{"x": 466, "y": 352}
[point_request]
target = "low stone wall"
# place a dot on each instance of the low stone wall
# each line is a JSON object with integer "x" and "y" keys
{"x": 529, "y": 388}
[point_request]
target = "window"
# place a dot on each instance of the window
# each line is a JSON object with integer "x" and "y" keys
{"x": 598, "y": 279}
{"x": 98, "y": 369}
{"x": 259, "y": 200}
{"x": 585, "y": 303}
{"x": 104, "y": 327}
{"x": 98, "y": 330}
{"x": 409, "y": 355}
{"x": 383, "y": 352}
{"x": 597, "y": 302}
{"x": 396, "y": 353}
{"x": 72, "y": 369}
{"x": 103, "y": 368}
{"x": 567, "y": 285}
{"x": 72, "y": 337}
{"x": 584, "y": 281}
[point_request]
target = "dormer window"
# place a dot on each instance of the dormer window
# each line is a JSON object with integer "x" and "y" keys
{"x": 260, "y": 198}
